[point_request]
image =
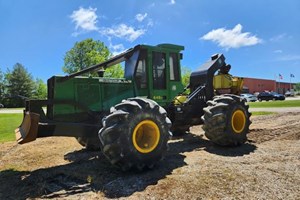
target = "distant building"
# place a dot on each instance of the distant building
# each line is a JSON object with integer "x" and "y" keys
{"x": 253, "y": 85}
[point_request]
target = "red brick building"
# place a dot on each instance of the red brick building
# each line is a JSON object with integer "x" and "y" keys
{"x": 253, "y": 85}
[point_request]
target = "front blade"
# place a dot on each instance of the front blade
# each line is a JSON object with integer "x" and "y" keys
{"x": 27, "y": 131}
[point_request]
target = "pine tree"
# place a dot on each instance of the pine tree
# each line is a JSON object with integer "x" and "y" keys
{"x": 19, "y": 86}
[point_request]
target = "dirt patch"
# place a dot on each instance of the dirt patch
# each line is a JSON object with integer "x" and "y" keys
{"x": 266, "y": 167}
{"x": 284, "y": 126}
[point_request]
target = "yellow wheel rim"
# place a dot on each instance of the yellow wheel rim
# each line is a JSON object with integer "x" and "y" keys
{"x": 146, "y": 136}
{"x": 238, "y": 121}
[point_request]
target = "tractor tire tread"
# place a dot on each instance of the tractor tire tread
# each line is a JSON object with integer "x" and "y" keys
{"x": 115, "y": 135}
{"x": 217, "y": 120}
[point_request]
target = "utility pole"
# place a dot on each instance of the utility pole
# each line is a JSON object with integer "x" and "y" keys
{"x": 278, "y": 85}
{"x": 291, "y": 76}
{"x": 290, "y": 81}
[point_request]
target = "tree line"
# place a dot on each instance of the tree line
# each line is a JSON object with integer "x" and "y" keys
{"x": 17, "y": 84}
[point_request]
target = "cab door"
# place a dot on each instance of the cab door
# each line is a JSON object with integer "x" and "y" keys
{"x": 159, "y": 77}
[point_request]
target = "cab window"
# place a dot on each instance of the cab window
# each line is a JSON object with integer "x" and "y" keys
{"x": 159, "y": 70}
{"x": 141, "y": 71}
{"x": 174, "y": 67}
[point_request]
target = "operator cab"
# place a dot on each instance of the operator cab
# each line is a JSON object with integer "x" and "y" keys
{"x": 155, "y": 71}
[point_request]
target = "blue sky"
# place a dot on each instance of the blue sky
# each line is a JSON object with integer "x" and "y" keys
{"x": 260, "y": 39}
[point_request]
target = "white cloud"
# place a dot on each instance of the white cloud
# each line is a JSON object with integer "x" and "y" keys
{"x": 231, "y": 38}
{"x": 278, "y": 37}
{"x": 150, "y": 23}
{"x": 289, "y": 58}
{"x": 140, "y": 17}
{"x": 172, "y": 2}
{"x": 116, "y": 49}
{"x": 151, "y": 5}
{"x": 278, "y": 51}
{"x": 85, "y": 19}
{"x": 123, "y": 31}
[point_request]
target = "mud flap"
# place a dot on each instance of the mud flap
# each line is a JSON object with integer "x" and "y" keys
{"x": 27, "y": 131}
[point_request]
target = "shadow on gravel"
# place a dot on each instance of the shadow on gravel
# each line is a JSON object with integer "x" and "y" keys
{"x": 244, "y": 149}
{"x": 90, "y": 172}
{"x": 197, "y": 142}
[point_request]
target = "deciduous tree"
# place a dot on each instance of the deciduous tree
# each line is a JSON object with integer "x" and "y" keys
{"x": 185, "y": 75}
{"x": 85, "y": 54}
{"x": 40, "y": 89}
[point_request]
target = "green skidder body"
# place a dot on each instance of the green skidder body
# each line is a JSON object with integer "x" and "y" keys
{"x": 147, "y": 74}
{"x": 132, "y": 118}
{"x": 83, "y": 94}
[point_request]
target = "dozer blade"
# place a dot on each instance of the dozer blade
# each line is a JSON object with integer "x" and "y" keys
{"x": 27, "y": 131}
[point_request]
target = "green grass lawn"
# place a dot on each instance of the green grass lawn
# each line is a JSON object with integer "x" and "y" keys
{"x": 256, "y": 113}
{"x": 14, "y": 108}
{"x": 272, "y": 104}
{"x": 8, "y": 124}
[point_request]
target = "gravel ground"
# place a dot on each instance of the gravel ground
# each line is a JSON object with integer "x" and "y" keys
{"x": 266, "y": 167}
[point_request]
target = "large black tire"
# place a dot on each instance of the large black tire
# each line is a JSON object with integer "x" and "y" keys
{"x": 90, "y": 143}
{"x": 135, "y": 134}
{"x": 226, "y": 120}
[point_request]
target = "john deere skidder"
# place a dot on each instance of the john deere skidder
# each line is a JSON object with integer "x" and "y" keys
{"x": 131, "y": 119}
